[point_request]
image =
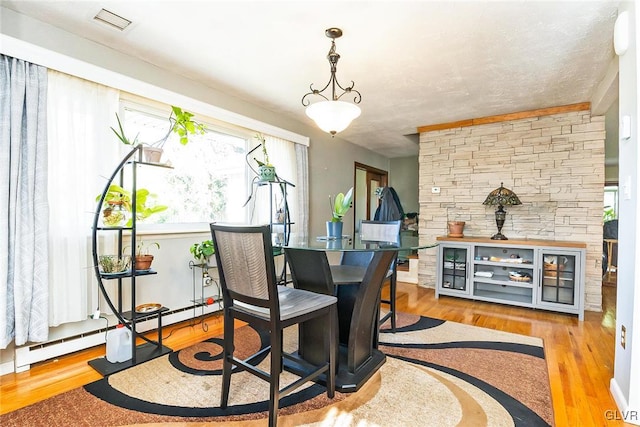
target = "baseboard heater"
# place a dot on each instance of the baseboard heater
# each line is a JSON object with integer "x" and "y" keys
{"x": 25, "y": 356}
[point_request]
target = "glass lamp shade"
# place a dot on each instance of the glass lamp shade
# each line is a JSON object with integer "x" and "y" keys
{"x": 502, "y": 197}
{"x": 333, "y": 116}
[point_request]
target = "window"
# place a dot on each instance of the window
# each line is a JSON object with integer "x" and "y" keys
{"x": 610, "y": 202}
{"x": 211, "y": 178}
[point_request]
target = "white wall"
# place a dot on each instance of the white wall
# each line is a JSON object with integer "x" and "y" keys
{"x": 625, "y": 385}
{"x": 403, "y": 177}
{"x": 611, "y": 169}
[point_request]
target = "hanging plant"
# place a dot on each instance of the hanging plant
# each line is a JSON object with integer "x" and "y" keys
{"x": 185, "y": 126}
{"x": 266, "y": 170}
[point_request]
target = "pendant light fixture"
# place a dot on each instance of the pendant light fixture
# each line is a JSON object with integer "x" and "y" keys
{"x": 331, "y": 114}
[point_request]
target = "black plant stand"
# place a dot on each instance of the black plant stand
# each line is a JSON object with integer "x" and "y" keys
{"x": 152, "y": 348}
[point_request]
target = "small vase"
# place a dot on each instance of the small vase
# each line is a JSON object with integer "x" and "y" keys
{"x": 114, "y": 214}
{"x": 143, "y": 262}
{"x": 152, "y": 154}
{"x": 267, "y": 173}
{"x": 456, "y": 228}
{"x": 334, "y": 229}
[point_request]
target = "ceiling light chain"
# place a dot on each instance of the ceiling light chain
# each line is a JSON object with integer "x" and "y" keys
{"x": 333, "y": 115}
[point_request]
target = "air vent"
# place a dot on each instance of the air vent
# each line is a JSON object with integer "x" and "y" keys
{"x": 112, "y": 19}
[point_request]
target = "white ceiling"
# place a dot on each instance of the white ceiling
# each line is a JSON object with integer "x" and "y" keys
{"x": 415, "y": 62}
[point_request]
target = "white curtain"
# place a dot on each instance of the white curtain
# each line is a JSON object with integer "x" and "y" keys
{"x": 302, "y": 185}
{"x": 23, "y": 202}
{"x": 83, "y": 151}
{"x": 283, "y": 154}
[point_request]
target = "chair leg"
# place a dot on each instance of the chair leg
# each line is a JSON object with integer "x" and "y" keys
{"x": 331, "y": 346}
{"x": 392, "y": 299}
{"x": 227, "y": 354}
{"x": 274, "y": 379}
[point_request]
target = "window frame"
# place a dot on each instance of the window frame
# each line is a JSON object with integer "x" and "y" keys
{"x": 160, "y": 110}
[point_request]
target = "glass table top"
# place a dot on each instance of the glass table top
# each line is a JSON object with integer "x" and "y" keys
{"x": 349, "y": 243}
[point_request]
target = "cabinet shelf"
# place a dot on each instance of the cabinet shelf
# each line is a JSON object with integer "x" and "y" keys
{"x": 512, "y": 265}
{"x": 131, "y": 315}
{"x": 497, "y": 296}
{"x": 502, "y": 280}
{"x": 142, "y": 162}
{"x": 101, "y": 228}
{"x": 143, "y": 353}
{"x": 203, "y": 300}
{"x": 112, "y": 276}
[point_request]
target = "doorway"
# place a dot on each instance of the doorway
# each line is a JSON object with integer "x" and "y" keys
{"x": 367, "y": 179}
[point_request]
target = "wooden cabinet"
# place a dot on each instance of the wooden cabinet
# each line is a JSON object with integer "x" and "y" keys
{"x": 541, "y": 274}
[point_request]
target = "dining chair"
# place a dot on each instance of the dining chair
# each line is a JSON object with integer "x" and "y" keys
{"x": 385, "y": 232}
{"x": 251, "y": 294}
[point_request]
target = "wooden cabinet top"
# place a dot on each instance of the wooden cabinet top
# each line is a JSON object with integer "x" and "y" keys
{"x": 518, "y": 241}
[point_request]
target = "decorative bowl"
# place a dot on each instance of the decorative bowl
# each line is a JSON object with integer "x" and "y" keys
{"x": 114, "y": 263}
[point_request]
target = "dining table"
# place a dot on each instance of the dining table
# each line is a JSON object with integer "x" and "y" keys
{"x": 357, "y": 289}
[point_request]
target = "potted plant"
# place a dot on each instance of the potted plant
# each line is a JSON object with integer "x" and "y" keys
{"x": 339, "y": 207}
{"x": 266, "y": 170}
{"x": 456, "y": 228}
{"x": 202, "y": 251}
{"x": 151, "y": 154}
{"x": 112, "y": 264}
{"x": 117, "y": 206}
{"x": 120, "y": 134}
{"x": 142, "y": 258}
{"x": 181, "y": 123}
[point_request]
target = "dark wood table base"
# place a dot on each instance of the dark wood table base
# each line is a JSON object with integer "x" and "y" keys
{"x": 358, "y": 310}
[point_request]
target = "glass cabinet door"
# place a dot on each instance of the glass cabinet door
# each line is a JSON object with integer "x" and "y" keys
{"x": 559, "y": 278}
{"x": 454, "y": 268}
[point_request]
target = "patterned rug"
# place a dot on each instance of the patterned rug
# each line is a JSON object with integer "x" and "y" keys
{"x": 437, "y": 373}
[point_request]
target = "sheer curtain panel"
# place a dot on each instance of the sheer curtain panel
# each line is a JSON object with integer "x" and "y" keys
{"x": 290, "y": 161}
{"x": 302, "y": 184}
{"x": 82, "y": 152}
{"x": 23, "y": 197}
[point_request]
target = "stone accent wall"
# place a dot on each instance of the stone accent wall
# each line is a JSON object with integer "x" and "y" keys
{"x": 554, "y": 163}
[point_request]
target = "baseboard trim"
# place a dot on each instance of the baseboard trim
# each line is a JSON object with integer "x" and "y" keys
{"x": 6, "y": 368}
{"x": 623, "y": 412}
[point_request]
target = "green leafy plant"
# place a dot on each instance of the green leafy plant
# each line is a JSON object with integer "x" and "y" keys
{"x": 184, "y": 125}
{"x": 142, "y": 248}
{"x": 265, "y": 154}
{"x": 340, "y": 205}
{"x": 608, "y": 214}
{"x": 121, "y": 136}
{"x": 143, "y": 258}
{"x": 202, "y": 251}
{"x": 117, "y": 194}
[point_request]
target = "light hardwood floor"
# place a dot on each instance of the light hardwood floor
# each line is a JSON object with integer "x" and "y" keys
{"x": 580, "y": 355}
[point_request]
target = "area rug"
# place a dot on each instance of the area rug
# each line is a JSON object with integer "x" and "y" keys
{"x": 437, "y": 373}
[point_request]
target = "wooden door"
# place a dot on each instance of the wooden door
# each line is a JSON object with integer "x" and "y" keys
{"x": 367, "y": 180}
